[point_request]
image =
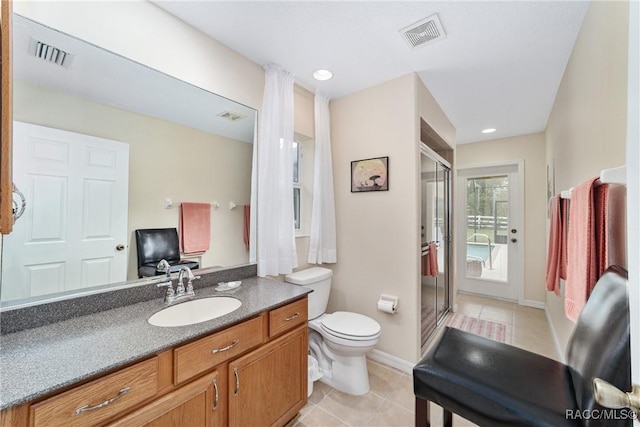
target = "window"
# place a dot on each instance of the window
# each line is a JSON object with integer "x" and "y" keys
{"x": 297, "y": 184}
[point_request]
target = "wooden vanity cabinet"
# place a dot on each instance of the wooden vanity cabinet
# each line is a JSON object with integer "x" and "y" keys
{"x": 199, "y": 403}
{"x": 268, "y": 386}
{"x": 204, "y": 354}
{"x": 100, "y": 400}
{"x": 261, "y": 380}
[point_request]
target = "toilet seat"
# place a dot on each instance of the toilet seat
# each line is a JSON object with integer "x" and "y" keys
{"x": 350, "y": 326}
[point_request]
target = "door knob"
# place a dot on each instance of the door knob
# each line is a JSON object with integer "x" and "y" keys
{"x": 514, "y": 231}
{"x": 610, "y": 396}
{"x": 514, "y": 240}
{"x": 120, "y": 248}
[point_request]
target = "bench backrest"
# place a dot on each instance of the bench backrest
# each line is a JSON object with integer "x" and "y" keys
{"x": 600, "y": 343}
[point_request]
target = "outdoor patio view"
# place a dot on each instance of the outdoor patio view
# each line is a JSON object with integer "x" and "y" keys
{"x": 487, "y": 227}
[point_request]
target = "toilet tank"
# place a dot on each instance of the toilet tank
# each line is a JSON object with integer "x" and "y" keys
{"x": 318, "y": 279}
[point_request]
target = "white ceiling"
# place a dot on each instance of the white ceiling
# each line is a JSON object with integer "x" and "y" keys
{"x": 500, "y": 65}
{"x": 104, "y": 77}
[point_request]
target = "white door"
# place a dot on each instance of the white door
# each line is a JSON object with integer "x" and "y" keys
{"x": 73, "y": 233}
{"x": 490, "y": 240}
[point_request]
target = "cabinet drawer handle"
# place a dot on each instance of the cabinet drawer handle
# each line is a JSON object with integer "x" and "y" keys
{"x": 217, "y": 350}
{"x": 296, "y": 314}
{"x": 215, "y": 402}
{"x": 105, "y": 403}
{"x": 235, "y": 373}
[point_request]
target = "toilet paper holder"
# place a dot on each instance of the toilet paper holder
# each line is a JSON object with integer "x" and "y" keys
{"x": 388, "y": 303}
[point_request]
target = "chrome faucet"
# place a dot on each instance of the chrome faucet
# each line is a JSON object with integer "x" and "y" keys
{"x": 180, "y": 292}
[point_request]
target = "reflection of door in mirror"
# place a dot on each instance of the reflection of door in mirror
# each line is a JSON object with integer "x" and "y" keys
{"x": 68, "y": 179}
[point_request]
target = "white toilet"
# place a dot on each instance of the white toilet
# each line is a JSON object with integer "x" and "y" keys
{"x": 338, "y": 341}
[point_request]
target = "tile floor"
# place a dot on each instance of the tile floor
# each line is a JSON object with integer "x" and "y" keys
{"x": 390, "y": 402}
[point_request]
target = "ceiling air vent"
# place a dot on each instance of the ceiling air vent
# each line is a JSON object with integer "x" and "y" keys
{"x": 50, "y": 53}
{"x": 230, "y": 115}
{"x": 424, "y": 32}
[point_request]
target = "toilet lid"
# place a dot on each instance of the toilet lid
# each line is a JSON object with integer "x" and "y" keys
{"x": 350, "y": 325}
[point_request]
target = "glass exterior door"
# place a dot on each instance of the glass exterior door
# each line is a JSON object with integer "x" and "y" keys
{"x": 490, "y": 237}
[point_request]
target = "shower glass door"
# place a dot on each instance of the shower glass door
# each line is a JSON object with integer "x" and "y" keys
{"x": 434, "y": 250}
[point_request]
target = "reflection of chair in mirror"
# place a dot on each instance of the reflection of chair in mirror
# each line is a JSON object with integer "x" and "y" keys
{"x": 156, "y": 244}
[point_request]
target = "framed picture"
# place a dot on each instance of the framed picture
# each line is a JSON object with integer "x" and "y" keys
{"x": 370, "y": 175}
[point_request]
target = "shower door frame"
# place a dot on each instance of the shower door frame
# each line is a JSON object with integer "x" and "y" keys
{"x": 448, "y": 184}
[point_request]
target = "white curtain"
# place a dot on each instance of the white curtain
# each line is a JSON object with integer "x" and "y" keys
{"x": 276, "y": 238}
{"x": 322, "y": 242}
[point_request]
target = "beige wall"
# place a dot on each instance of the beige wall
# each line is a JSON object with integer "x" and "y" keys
{"x": 586, "y": 131}
{"x": 531, "y": 149}
{"x": 378, "y": 232}
{"x": 165, "y": 160}
{"x": 431, "y": 112}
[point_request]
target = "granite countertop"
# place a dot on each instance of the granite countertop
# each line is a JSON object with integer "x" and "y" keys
{"x": 38, "y": 361}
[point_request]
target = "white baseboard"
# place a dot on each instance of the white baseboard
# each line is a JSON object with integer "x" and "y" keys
{"x": 556, "y": 341}
{"x": 534, "y": 304}
{"x": 390, "y": 360}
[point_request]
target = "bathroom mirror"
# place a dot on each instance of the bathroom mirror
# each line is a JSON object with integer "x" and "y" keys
{"x": 181, "y": 143}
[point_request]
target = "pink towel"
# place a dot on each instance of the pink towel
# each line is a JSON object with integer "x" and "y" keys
{"x": 247, "y": 225}
{"x": 554, "y": 251}
{"x": 564, "y": 220}
{"x": 617, "y": 225}
{"x": 195, "y": 227}
{"x": 432, "y": 257}
{"x": 581, "y": 250}
{"x": 601, "y": 215}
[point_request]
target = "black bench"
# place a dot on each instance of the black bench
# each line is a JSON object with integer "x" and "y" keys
{"x": 495, "y": 384}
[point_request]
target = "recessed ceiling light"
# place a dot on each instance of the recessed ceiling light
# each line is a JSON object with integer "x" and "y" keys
{"x": 488, "y": 130}
{"x": 322, "y": 74}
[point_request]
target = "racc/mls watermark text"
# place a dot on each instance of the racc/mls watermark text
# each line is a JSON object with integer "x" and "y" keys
{"x": 600, "y": 414}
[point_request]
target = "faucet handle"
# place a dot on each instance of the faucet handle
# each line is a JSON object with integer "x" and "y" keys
{"x": 170, "y": 295}
{"x": 190, "y": 280}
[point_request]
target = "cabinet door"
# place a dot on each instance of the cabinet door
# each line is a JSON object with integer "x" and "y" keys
{"x": 268, "y": 386}
{"x": 201, "y": 403}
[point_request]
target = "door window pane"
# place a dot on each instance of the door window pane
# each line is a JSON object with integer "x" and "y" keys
{"x": 487, "y": 223}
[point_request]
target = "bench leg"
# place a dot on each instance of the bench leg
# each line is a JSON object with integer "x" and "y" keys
{"x": 422, "y": 413}
{"x": 447, "y": 418}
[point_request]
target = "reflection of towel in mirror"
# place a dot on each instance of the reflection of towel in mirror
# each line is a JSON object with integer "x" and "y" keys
{"x": 247, "y": 225}
{"x": 195, "y": 227}
{"x": 430, "y": 261}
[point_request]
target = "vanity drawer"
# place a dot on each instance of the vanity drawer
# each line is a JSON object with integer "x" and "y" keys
{"x": 99, "y": 400}
{"x": 202, "y": 355}
{"x": 287, "y": 317}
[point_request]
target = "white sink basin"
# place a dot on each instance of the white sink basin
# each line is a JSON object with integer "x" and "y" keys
{"x": 195, "y": 311}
